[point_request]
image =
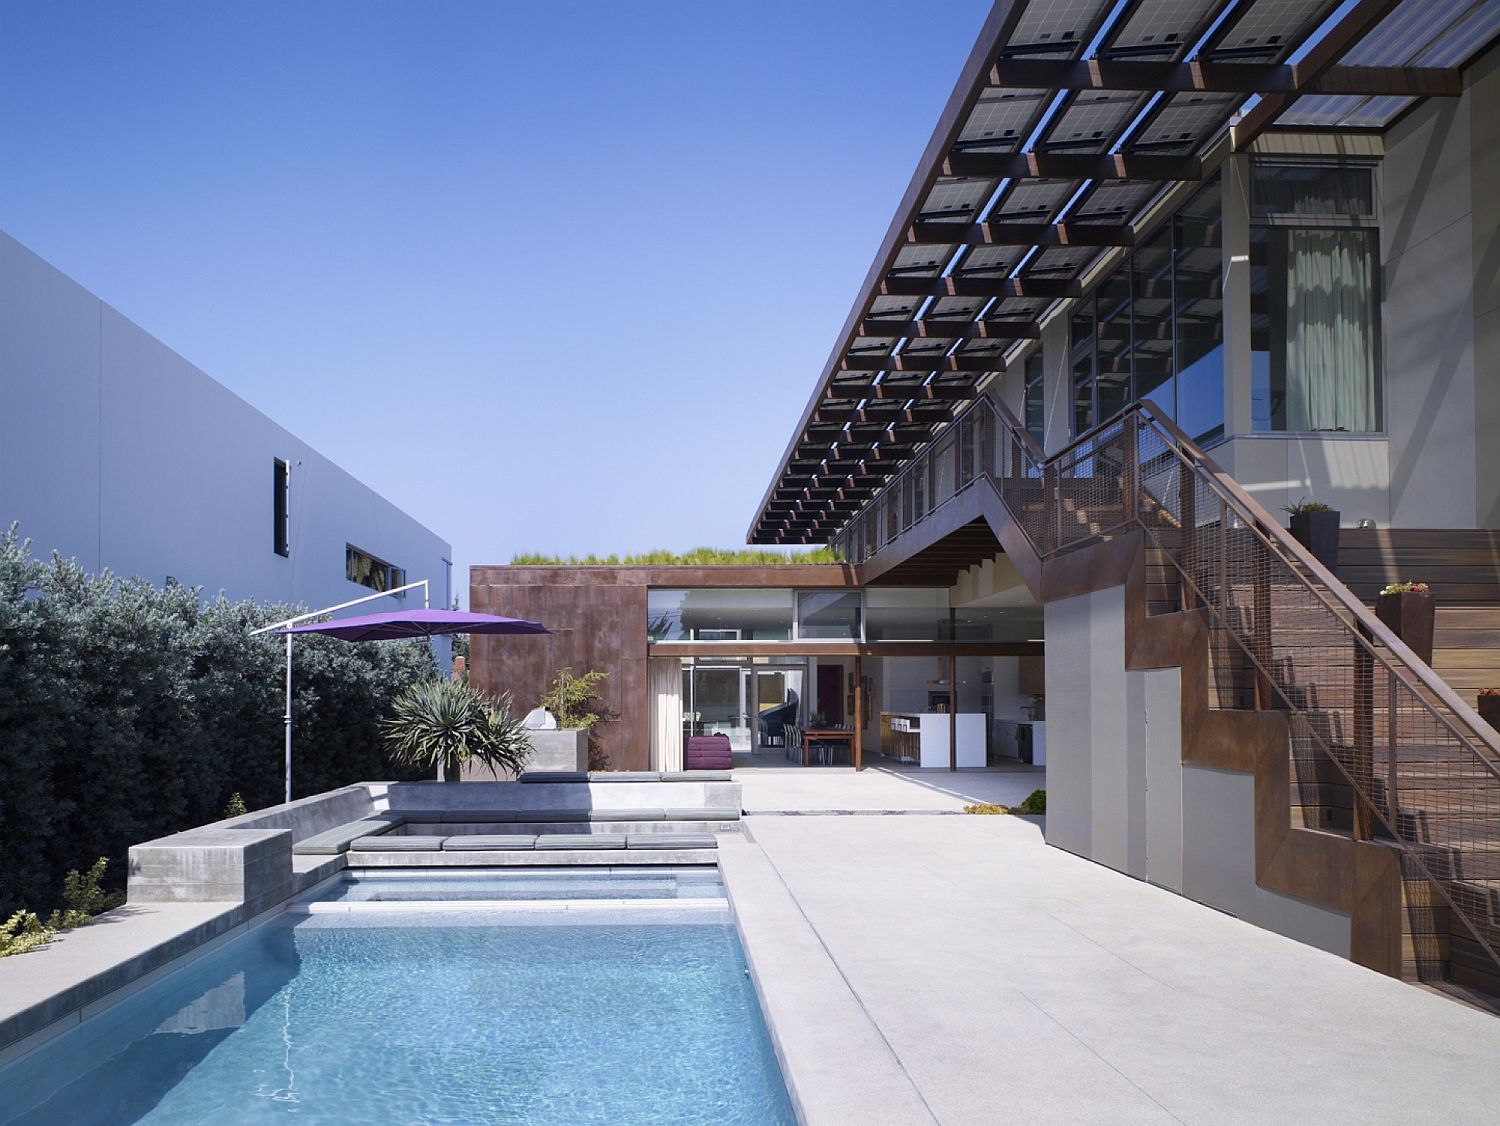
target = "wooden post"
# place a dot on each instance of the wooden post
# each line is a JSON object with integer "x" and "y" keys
{"x": 859, "y": 713}
{"x": 1261, "y": 583}
{"x": 952, "y": 712}
{"x": 1362, "y": 768}
{"x": 1188, "y": 495}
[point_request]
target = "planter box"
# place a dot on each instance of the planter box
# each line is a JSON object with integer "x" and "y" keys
{"x": 1409, "y": 616}
{"x": 1489, "y": 710}
{"x": 1319, "y": 533}
{"x": 558, "y": 748}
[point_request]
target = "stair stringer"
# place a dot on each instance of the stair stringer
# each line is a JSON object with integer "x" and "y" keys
{"x": 1359, "y": 879}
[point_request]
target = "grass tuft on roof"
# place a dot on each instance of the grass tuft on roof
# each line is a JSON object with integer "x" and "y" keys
{"x": 697, "y": 557}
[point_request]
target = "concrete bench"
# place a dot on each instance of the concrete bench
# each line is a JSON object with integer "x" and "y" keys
{"x": 625, "y": 776}
{"x": 722, "y": 813}
{"x": 332, "y": 842}
{"x": 670, "y": 840}
{"x": 696, "y": 776}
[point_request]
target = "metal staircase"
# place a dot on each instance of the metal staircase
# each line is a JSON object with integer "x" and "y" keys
{"x": 1381, "y": 746}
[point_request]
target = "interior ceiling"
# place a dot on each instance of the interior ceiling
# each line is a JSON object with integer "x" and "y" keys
{"x": 1071, "y": 119}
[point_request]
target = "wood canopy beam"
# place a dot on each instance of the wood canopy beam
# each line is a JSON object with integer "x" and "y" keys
{"x": 953, "y": 330}
{"x": 1049, "y": 288}
{"x": 1071, "y": 166}
{"x": 1359, "y": 20}
{"x": 947, "y": 233}
{"x": 920, "y": 361}
{"x": 1224, "y": 78}
{"x": 897, "y": 393}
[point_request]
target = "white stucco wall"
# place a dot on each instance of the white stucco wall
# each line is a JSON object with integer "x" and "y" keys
{"x": 121, "y": 454}
{"x": 1119, "y": 793}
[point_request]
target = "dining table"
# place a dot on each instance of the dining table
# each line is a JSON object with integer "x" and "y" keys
{"x": 811, "y": 735}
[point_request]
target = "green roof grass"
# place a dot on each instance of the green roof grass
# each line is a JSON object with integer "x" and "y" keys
{"x": 697, "y": 557}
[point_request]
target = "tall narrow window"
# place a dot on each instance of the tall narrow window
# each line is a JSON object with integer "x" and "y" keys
{"x": 1083, "y": 367}
{"x": 281, "y": 507}
{"x": 1198, "y": 323}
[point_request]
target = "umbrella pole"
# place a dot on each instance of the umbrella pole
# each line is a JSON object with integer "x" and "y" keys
{"x": 288, "y": 717}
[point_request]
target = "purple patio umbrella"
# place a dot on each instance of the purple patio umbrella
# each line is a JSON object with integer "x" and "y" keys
{"x": 394, "y": 625}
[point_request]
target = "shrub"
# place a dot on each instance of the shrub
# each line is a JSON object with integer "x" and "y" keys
{"x": 131, "y": 712}
{"x": 697, "y": 557}
{"x": 23, "y": 931}
{"x": 235, "y": 807}
{"x": 1404, "y": 588}
{"x": 1036, "y": 802}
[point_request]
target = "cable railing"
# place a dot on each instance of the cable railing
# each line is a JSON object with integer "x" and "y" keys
{"x": 1410, "y": 761}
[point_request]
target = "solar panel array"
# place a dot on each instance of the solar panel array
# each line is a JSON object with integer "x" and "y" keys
{"x": 985, "y": 243}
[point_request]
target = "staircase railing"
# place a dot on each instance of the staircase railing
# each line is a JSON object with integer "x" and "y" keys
{"x": 1420, "y": 766}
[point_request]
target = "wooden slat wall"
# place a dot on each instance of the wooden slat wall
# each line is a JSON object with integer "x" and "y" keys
{"x": 1463, "y": 569}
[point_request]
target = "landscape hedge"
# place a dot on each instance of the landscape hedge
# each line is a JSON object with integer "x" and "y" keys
{"x": 128, "y": 712}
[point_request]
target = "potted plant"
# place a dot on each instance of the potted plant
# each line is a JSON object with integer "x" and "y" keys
{"x": 1489, "y": 706}
{"x": 1407, "y": 609}
{"x": 1315, "y": 526}
{"x": 444, "y": 725}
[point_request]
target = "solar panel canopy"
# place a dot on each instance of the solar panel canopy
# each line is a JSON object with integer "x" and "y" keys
{"x": 1070, "y": 120}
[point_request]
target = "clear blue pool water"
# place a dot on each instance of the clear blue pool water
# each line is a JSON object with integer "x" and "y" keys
{"x": 381, "y": 887}
{"x": 449, "y": 1017}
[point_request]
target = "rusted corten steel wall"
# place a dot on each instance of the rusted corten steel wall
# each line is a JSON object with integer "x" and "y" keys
{"x": 598, "y": 620}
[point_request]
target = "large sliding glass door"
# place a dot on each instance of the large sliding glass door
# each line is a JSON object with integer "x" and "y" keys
{"x": 749, "y": 701}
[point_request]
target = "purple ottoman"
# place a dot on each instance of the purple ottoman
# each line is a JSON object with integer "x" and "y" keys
{"x": 707, "y": 752}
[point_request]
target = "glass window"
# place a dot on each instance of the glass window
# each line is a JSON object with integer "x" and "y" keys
{"x": 906, "y": 614}
{"x": 828, "y": 614}
{"x": 1315, "y": 329}
{"x": 1112, "y": 381}
{"x": 1311, "y": 190}
{"x": 281, "y": 487}
{"x": 1198, "y": 326}
{"x": 750, "y": 614}
{"x": 365, "y": 569}
{"x": 1083, "y": 368}
{"x": 1032, "y": 408}
{"x": 1151, "y": 283}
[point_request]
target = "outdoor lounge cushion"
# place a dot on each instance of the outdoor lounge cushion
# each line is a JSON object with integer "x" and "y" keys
{"x": 554, "y": 776}
{"x": 712, "y": 813}
{"x": 707, "y": 752}
{"x": 624, "y": 776}
{"x": 397, "y": 844}
{"x": 553, "y": 841}
{"x": 331, "y": 842}
{"x": 696, "y": 776}
{"x": 490, "y": 842}
{"x": 626, "y": 814}
{"x": 671, "y": 840}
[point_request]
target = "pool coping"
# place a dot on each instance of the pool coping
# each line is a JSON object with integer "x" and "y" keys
{"x": 835, "y": 1061}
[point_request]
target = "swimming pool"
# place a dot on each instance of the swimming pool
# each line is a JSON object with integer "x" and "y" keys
{"x": 497, "y": 885}
{"x": 451, "y": 1016}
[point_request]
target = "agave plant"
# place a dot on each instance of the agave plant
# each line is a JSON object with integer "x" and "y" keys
{"x": 445, "y": 724}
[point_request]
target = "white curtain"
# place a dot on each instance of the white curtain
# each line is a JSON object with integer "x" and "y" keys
{"x": 1330, "y": 331}
{"x": 664, "y": 686}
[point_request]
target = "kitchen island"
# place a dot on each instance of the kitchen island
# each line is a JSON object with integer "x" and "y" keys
{"x": 921, "y": 738}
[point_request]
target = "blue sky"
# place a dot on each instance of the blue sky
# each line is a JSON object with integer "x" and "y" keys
{"x": 551, "y": 276}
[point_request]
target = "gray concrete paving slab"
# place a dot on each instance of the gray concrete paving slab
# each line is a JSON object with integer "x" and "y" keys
{"x": 1014, "y": 981}
{"x": 795, "y": 789}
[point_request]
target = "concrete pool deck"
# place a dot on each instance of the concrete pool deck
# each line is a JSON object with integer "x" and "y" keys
{"x": 958, "y": 970}
{"x": 882, "y": 789}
